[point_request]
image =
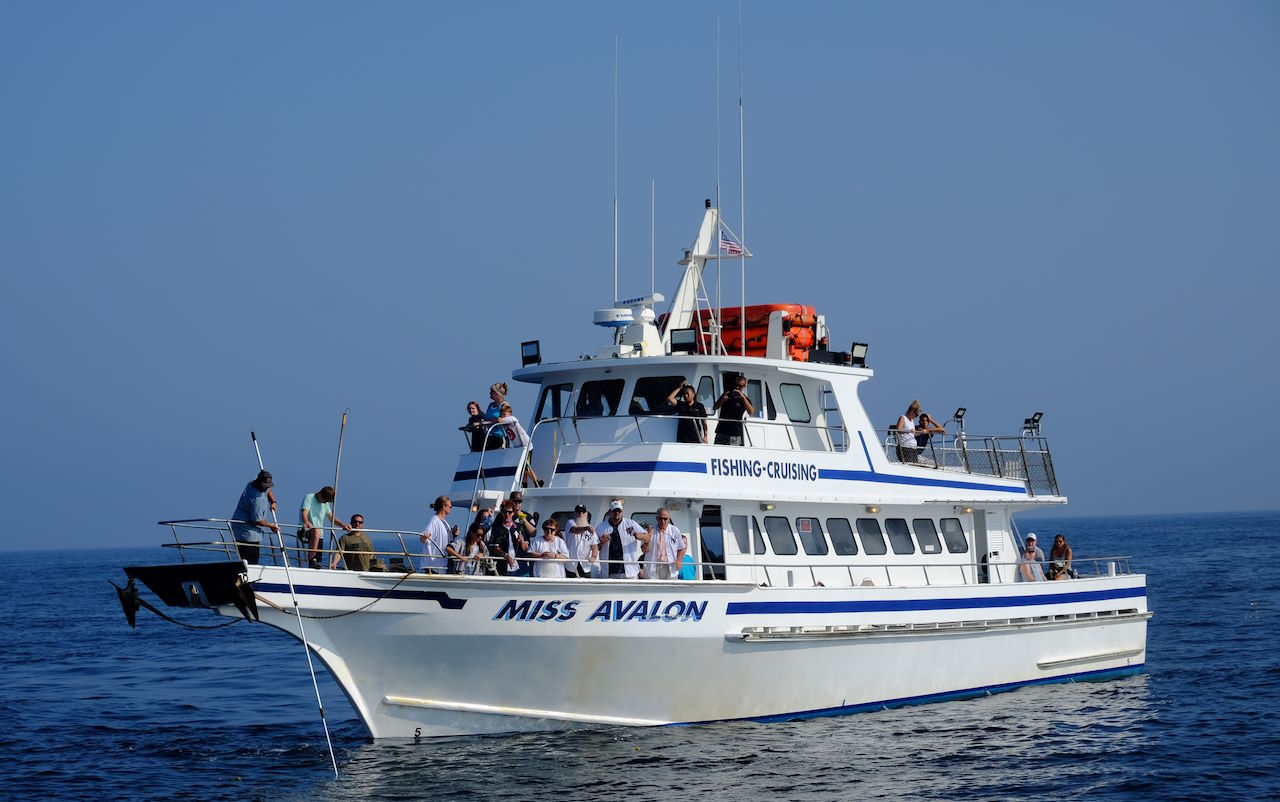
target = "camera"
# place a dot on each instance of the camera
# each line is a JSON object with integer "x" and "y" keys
{"x": 535, "y": 518}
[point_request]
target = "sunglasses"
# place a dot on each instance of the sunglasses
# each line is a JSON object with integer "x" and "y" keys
{"x": 664, "y": 518}
{"x": 359, "y": 522}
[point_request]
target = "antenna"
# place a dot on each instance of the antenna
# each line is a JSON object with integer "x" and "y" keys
{"x": 717, "y": 342}
{"x": 742, "y": 191}
{"x": 615, "y": 169}
{"x": 653, "y": 224}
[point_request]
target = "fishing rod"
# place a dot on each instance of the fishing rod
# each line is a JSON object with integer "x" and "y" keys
{"x": 298, "y": 611}
{"x": 336, "y": 468}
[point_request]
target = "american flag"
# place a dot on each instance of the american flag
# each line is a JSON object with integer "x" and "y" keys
{"x": 727, "y": 245}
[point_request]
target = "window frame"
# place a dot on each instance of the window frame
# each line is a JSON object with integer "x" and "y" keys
{"x": 882, "y": 547}
{"x": 838, "y": 544}
{"x": 816, "y": 536}
{"x": 785, "y": 394}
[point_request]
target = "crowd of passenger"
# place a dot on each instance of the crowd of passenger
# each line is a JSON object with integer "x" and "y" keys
{"x": 502, "y": 541}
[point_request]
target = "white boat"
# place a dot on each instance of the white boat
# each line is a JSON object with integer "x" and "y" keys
{"x": 830, "y": 576}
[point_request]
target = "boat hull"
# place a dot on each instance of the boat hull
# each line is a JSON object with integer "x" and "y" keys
{"x": 432, "y": 656}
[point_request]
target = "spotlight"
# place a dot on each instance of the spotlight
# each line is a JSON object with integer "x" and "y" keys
{"x": 530, "y": 353}
{"x": 858, "y": 355}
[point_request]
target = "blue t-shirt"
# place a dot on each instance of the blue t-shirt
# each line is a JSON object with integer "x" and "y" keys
{"x": 688, "y": 568}
{"x": 253, "y": 506}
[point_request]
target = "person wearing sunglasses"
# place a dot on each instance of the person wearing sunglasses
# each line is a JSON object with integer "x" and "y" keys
{"x": 354, "y": 547}
{"x": 1029, "y": 568}
{"x": 550, "y": 552}
{"x": 666, "y": 549}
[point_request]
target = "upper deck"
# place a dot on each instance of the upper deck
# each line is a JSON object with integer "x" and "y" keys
{"x": 607, "y": 423}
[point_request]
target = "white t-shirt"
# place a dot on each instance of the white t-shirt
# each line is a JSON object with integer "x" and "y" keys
{"x": 548, "y": 569}
{"x": 438, "y": 535}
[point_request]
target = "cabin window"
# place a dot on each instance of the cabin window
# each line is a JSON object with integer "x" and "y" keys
{"x": 599, "y": 398}
{"x": 553, "y": 402}
{"x": 842, "y": 536}
{"x": 872, "y": 539}
{"x": 899, "y": 536}
{"x": 707, "y": 392}
{"x": 711, "y": 536}
{"x": 953, "y": 533}
{"x": 739, "y": 525}
{"x": 780, "y": 537}
{"x": 927, "y": 535}
{"x": 810, "y": 532}
{"x": 794, "y": 403}
{"x": 646, "y": 519}
{"x": 650, "y": 395}
{"x": 769, "y": 409}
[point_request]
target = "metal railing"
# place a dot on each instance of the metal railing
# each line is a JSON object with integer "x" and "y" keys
{"x": 400, "y": 559}
{"x": 270, "y": 548}
{"x": 1022, "y": 457}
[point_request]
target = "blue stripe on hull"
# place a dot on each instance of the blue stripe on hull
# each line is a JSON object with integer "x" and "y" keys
{"x": 443, "y": 599}
{"x": 643, "y": 466}
{"x": 489, "y": 473}
{"x": 920, "y": 481}
{"x": 1096, "y": 675}
{"x": 893, "y": 605}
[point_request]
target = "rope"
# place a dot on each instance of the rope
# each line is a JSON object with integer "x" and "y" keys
{"x": 144, "y": 603}
{"x": 386, "y": 593}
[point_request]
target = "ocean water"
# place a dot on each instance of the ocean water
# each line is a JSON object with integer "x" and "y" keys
{"x": 90, "y": 709}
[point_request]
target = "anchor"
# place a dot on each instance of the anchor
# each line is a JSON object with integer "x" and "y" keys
{"x": 129, "y": 601}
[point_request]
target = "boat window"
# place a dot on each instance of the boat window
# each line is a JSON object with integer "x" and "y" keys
{"x": 712, "y": 537}
{"x": 650, "y": 395}
{"x": 899, "y": 536}
{"x": 780, "y": 537}
{"x": 770, "y": 410}
{"x": 646, "y": 519}
{"x": 953, "y": 533}
{"x": 811, "y": 538}
{"x": 600, "y": 397}
{"x": 552, "y": 402}
{"x": 794, "y": 403}
{"x": 927, "y": 535}
{"x": 872, "y": 540}
{"x": 842, "y": 536}
{"x": 562, "y": 518}
{"x": 739, "y": 525}
{"x": 707, "y": 391}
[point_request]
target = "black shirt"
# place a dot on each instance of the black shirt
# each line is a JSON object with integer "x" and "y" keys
{"x": 731, "y": 414}
{"x": 688, "y": 430}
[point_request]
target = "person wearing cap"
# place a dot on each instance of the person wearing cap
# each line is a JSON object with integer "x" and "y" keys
{"x": 250, "y": 518}
{"x": 1029, "y": 569}
{"x": 550, "y": 551}
{"x": 314, "y": 509}
{"x": 620, "y": 539}
{"x": 583, "y": 543}
{"x": 1031, "y": 541}
{"x": 666, "y": 549}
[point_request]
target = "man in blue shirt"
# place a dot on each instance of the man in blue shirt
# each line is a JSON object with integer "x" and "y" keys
{"x": 251, "y": 518}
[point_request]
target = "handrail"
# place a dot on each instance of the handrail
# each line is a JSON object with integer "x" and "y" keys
{"x": 638, "y": 418}
{"x": 1103, "y": 566}
{"x": 1022, "y": 457}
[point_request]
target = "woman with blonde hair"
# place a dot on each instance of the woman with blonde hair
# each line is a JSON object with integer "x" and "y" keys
{"x": 515, "y": 432}
{"x": 497, "y": 397}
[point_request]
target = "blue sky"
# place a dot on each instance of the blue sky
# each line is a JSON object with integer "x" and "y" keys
{"x": 217, "y": 218}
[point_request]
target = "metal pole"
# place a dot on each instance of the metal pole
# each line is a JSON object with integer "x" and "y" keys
{"x": 298, "y": 611}
{"x": 336, "y": 468}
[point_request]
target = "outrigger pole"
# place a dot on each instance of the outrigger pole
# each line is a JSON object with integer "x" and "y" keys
{"x": 298, "y": 611}
{"x": 336, "y": 468}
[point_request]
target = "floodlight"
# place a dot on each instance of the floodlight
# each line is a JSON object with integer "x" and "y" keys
{"x": 530, "y": 353}
{"x": 858, "y": 355}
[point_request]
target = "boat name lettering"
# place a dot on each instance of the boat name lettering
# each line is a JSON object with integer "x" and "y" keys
{"x": 609, "y": 610}
{"x": 774, "y": 469}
